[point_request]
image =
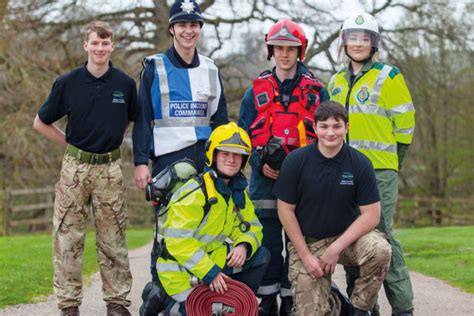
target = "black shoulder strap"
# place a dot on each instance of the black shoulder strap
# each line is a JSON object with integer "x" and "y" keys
{"x": 265, "y": 73}
{"x": 207, "y": 205}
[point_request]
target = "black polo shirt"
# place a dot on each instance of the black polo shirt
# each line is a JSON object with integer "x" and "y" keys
{"x": 326, "y": 191}
{"x": 97, "y": 109}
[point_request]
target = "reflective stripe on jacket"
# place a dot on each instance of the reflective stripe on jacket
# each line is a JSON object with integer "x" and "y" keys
{"x": 381, "y": 112}
{"x": 183, "y": 101}
{"x": 197, "y": 243}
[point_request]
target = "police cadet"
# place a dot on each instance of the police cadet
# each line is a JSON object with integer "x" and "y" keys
{"x": 210, "y": 242}
{"x": 319, "y": 191}
{"x": 99, "y": 101}
{"x": 181, "y": 98}
{"x": 382, "y": 120}
{"x": 277, "y": 110}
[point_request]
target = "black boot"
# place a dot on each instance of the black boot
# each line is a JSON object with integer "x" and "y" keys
{"x": 268, "y": 306}
{"x": 286, "y": 307}
{"x": 346, "y": 305}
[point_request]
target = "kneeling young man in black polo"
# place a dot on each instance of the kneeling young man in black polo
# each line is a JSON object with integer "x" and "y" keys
{"x": 320, "y": 190}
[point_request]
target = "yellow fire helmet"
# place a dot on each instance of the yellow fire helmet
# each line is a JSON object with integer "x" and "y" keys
{"x": 231, "y": 138}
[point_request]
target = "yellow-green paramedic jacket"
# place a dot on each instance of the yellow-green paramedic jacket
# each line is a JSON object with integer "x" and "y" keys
{"x": 381, "y": 111}
{"x": 197, "y": 243}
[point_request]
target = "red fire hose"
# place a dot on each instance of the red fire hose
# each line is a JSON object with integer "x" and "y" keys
{"x": 238, "y": 300}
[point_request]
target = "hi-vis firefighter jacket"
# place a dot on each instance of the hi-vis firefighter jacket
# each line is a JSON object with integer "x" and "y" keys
{"x": 196, "y": 241}
{"x": 381, "y": 111}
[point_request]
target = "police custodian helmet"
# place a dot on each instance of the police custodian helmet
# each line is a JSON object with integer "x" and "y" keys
{"x": 185, "y": 11}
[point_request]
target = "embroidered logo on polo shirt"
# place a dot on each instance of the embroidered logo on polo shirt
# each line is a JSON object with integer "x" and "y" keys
{"x": 347, "y": 178}
{"x": 118, "y": 97}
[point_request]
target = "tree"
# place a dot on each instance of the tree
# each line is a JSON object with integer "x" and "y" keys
{"x": 42, "y": 39}
{"x": 438, "y": 66}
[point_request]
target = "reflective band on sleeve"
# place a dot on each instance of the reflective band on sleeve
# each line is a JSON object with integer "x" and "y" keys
{"x": 374, "y": 98}
{"x": 180, "y": 297}
{"x": 401, "y": 109}
{"x": 179, "y": 233}
{"x": 365, "y": 144}
{"x": 255, "y": 223}
{"x": 407, "y": 131}
{"x": 195, "y": 259}
{"x": 169, "y": 267}
{"x": 221, "y": 237}
{"x": 205, "y": 238}
{"x": 252, "y": 234}
{"x": 265, "y": 204}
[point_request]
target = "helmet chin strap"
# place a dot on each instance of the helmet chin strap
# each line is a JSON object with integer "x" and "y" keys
{"x": 220, "y": 174}
{"x": 224, "y": 176}
{"x": 362, "y": 61}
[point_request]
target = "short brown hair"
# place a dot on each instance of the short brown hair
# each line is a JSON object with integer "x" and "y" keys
{"x": 102, "y": 29}
{"x": 330, "y": 109}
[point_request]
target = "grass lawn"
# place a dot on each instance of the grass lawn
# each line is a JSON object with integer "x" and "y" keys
{"x": 26, "y": 268}
{"x": 446, "y": 253}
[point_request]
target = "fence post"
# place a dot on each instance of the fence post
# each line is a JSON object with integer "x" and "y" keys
{"x": 6, "y": 211}
{"x": 50, "y": 211}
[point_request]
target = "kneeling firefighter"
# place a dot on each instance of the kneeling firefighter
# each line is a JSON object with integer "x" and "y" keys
{"x": 211, "y": 231}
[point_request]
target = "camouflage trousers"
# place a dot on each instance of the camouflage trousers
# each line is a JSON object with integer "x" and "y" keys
{"x": 313, "y": 296}
{"x": 101, "y": 187}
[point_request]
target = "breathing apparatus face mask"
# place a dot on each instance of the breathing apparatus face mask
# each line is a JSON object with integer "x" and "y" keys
{"x": 165, "y": 183}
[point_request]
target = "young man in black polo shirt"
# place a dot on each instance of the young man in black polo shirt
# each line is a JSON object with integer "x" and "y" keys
{"x": 99, "y": 101}
{"x": 319, "y": 191}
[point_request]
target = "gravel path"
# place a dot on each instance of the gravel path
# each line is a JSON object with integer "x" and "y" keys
{"x": 432, "y": 296}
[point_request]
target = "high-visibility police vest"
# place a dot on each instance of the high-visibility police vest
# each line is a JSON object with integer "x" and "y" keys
{"x": 289, "y": 119}
{"x": 183, "y": 100}
{"x": 381, "y": 112}
{"x": 195, "y": 239}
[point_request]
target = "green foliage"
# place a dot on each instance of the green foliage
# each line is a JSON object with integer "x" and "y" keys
{"x": 445, "y": 253}
{"x": 27, "y": 268}
{"x": 436, "y": 61}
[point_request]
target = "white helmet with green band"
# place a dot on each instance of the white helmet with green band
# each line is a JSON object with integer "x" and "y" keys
{"x": 361, "y": 22}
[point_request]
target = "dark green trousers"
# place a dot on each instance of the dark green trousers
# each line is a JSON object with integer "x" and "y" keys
{"x": 397, "y": 285}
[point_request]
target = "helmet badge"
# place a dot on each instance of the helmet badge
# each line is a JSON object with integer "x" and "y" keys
{"x": 359, "y": 20}
{"x": 188, "y": 6}
{"x": 283, "y": 32}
